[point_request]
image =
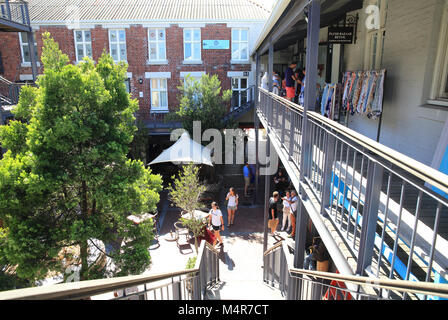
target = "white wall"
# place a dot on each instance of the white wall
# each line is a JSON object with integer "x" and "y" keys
{"x": 409, "y": 125}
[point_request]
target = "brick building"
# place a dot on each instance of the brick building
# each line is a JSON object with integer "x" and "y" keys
{"x": 162, "y": 41}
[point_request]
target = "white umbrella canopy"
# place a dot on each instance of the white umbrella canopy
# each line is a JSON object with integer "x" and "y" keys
{"x": 185, "y": 150}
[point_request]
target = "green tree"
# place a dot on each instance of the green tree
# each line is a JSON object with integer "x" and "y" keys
{"x": 66, "y": 178}
{"x": 185, "y": 193}
{"x": 202, "y": 101}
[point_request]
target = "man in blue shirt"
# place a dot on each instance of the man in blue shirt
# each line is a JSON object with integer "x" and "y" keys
{"x": 246, "y": 172}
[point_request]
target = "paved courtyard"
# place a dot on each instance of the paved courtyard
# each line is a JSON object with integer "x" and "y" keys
{"x": 241, "y": 256}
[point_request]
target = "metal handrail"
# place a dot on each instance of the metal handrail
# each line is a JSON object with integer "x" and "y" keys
{"x": 422, "y": 171}
{"x": 251, "y": 97}
{"x": 354, "y": 182}
{"x": 15, "y": 10}
{"x": 85, "y": 289}
{"x": 278, "y": 245}
{"x": 424, "y": 288}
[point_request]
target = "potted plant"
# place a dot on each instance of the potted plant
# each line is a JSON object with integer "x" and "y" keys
{"x": 185, "y": 194}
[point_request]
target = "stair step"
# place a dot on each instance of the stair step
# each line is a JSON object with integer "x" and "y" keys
{"x": 243, "y": 290}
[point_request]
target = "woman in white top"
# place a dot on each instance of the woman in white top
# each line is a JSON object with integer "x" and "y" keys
{"x": 232, "y": 206}
{"x": 215, "y": 219}
{"x": 286, "y": 210}
{"x": 292, "y": 216}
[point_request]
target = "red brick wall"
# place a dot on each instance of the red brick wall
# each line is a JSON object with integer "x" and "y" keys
{"x": 214, "y": 61}
{"x": 11, "y": 55}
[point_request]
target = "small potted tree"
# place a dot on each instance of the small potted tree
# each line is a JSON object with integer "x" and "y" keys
{"x": 185, "y": 194}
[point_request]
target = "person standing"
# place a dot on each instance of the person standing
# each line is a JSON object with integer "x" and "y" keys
{"x": 273, "y": 212}
{"x": 293, "y": 213}
{"x": 276, "y": 83}
{"x": 247, "y": 174}
{"x": 265, "y": 81}
{"x": 302, "y": 88}
{"x": 290, "y": 81}
{"x": 280, "y": 182}
{"x": 232, "y": 206}
{"x": 216, "y": 221}
{"x": 286, "y": 211}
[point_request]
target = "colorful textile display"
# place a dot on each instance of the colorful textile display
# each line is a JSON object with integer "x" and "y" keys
{"x": 363, "y": 92}
{"x": 331, "y": 100}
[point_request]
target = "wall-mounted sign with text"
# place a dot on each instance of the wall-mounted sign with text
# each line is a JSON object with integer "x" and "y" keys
{"x": 340, "y": 35}
{"x": 215, "y": 44}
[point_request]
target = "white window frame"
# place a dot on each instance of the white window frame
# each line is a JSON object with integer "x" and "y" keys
{"x": 438, "y": 94}
{"x": 159, "y": 108}
{"x": 119, "y": 44}
{"x": 157, "y": 42}
{"x": 239, "y": 42}
{"x": 84, "y": 43}
{"x": 26, "y": 44}
{"x": 374, "y": 60}
{"x": 239, "y": 89}
{"x": 193, "y": 59}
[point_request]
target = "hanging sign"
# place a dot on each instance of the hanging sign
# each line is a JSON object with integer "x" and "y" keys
{"x": 340, "y": 35}
{"x": 215, "y": 44}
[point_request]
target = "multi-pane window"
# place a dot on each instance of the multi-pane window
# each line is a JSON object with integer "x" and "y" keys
{"x": 159, "y": 95}
{"x": 240, "y": 44}
{"x": 239, "y": 91}
{"x": 83, "y": 44}
{"x": 192, "y": 44}
{"x": 25, "y": 48}
{"x": 117, "y": 44}
{"x": 157, "y": 44}
{"x": 376, "y": 37}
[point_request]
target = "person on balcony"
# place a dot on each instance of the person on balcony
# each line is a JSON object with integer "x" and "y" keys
{"x": 265, "y": 81}
{"x": 290, "y": 81}
{"x": 302, "y": 88}
{"x": 276, "y": 83}
{"x": 232, "y": 206}
{"x": 216, "y": 221}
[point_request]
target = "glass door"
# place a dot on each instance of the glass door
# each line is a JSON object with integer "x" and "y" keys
{"x": 239, "y": 92}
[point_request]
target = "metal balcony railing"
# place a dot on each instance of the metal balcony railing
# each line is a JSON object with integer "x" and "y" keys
{"x": 297, "y": 284}
{"x": 388, "y": 208}
{"x": 188, "y": 284}
{"x": 241, "y": 102}
{"x": 9, "y": 92}
{"x": 15, "y": 11}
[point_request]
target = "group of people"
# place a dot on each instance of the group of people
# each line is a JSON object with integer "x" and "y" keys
{"x": 291, "y": 86}
{"x": 215, "y": 217}
{"x": 283, "y": 199}
{"x": 289, "y": 208}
